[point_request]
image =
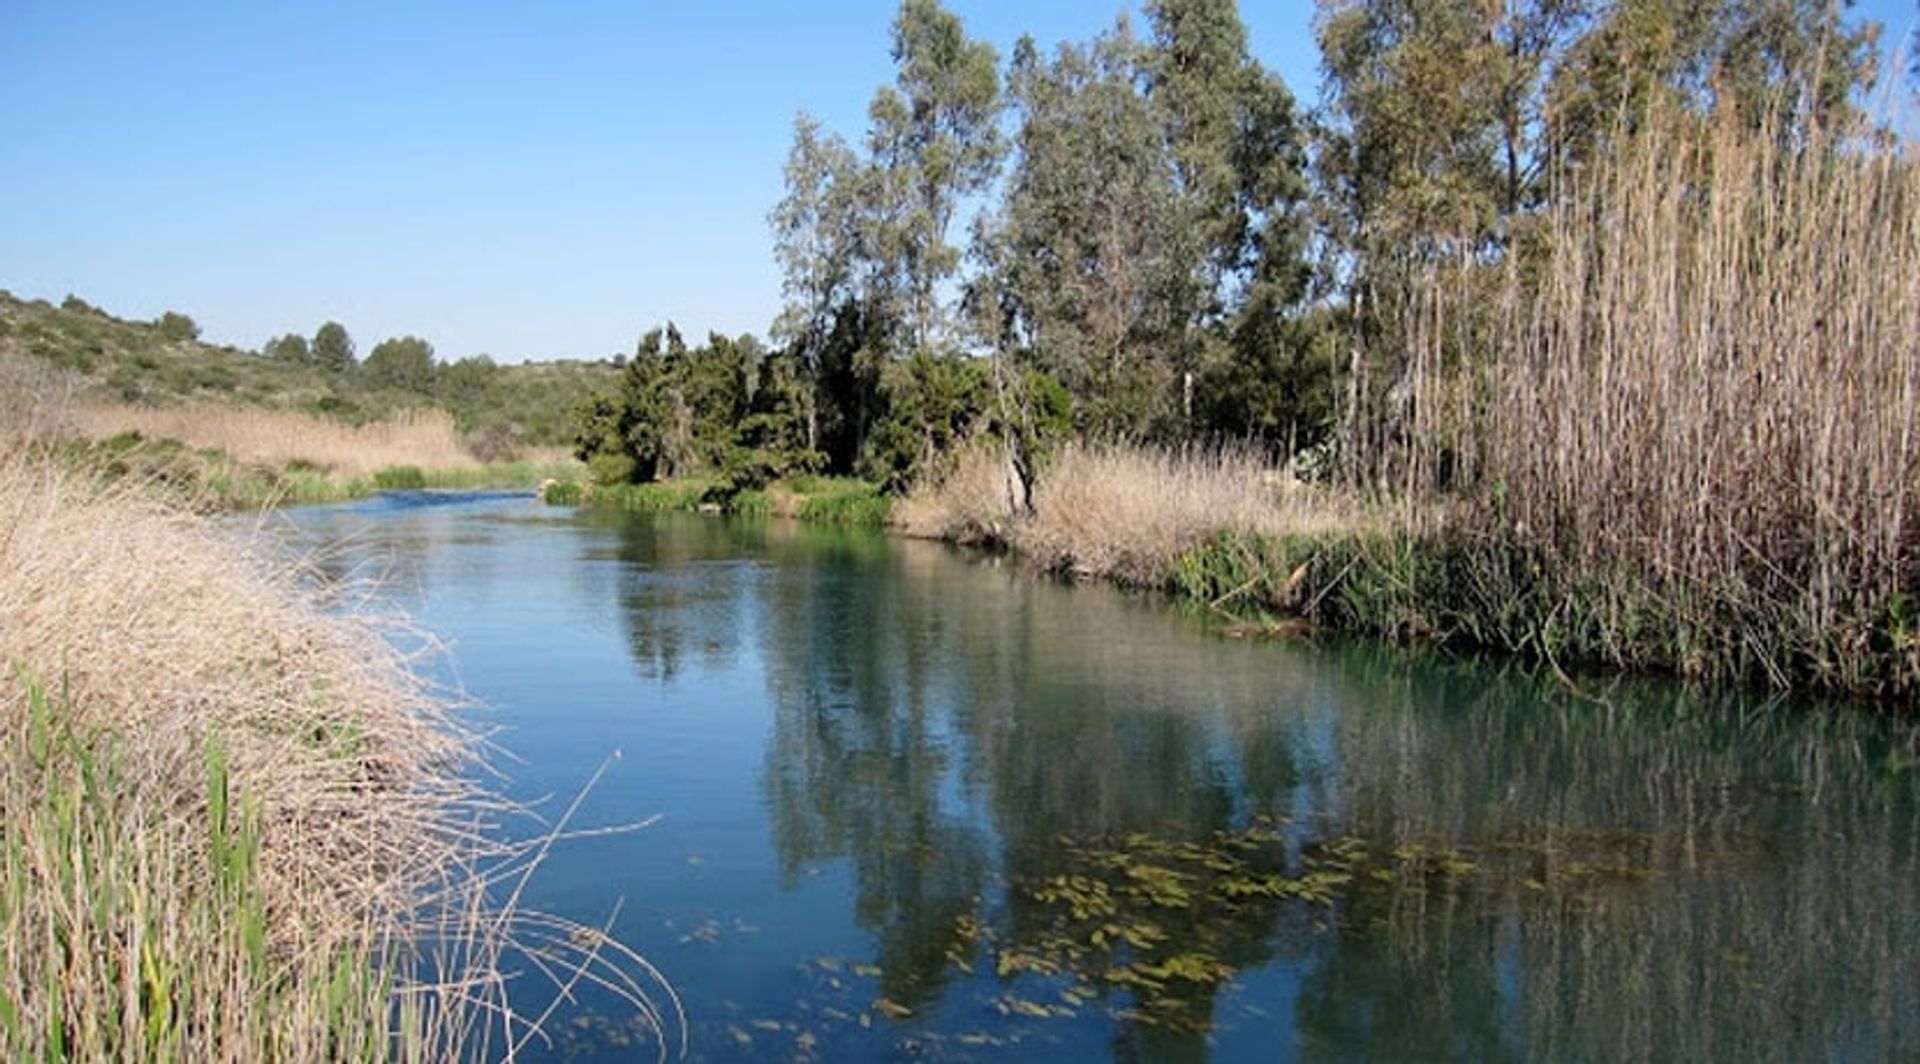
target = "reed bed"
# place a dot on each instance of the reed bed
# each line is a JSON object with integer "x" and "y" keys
{"x": 237, "y": 826}
{"x": 1683, "y": 412}
{"x": 278, "y": 438}
{"x": 1127, "y": 514}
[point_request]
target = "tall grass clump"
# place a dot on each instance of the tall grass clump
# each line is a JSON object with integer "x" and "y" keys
{"x": 1681, "y": 413}
{"x": 237, "y": 827}
{"x": 1129, "y": 514}
{"x": 275, "y": 438}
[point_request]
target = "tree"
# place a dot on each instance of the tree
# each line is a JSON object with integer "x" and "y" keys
{"x": 771, "y": 441}
{"x": 289, "y": 348}
{"x": 333, "y": 348}
{"x": 177, "y": 327}
{"x": 1238, "y": 158}
{"x": 1791, "y": 64}
{"x": 405, "y": 364}
{"x": 933, "y": 142}
{"x": 1085, "y": 253}
{"x": 819, "y": 238}
{"x": 471, "y": 380}
{"x": 623, "y": 435}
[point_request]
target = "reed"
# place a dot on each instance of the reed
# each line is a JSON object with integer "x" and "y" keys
{"x": 238, "y": 827}
{"x": 1678, "y": 420}
{"x": 276, "y": 438}
{"x": 1128, "y": 514}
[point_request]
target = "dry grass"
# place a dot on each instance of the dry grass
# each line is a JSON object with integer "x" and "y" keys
{"x": 37, "y": 401}
{"x": 237, "y": 826}
{"x": 1700, "y": 376}
{"x": 973, "y": 504}
{"x": 1126, "y": 514}
{"x": 277, "y": 438}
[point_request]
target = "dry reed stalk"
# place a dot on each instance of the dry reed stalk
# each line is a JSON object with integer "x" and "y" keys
{"x": 974, "y": 504}
{"x": 258, "y": 436}
{"x": 167, "y": 644}
{"x": 37, "y": 401}
{"x": 1702, "y": 375}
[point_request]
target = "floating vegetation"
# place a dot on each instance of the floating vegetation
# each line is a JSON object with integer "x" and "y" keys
{"x": 1160, "y": 924}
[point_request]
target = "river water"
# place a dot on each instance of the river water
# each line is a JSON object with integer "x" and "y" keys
{"x": 917, "y": 804}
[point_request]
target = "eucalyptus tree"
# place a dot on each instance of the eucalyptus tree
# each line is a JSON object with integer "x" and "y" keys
{"x": 934, "y": 141}
{"x": 1239, "y": 158}
{"x": 1791, "y": 64}
{"x": 1091, "y": 263}
{"x": 864, "y": 238}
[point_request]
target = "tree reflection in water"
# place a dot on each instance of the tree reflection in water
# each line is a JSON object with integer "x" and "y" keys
{"x": 1447, "y": 857}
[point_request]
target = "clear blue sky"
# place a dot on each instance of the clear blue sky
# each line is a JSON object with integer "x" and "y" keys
{"x": 527, "y": 180}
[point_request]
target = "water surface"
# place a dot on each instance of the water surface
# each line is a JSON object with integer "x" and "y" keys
{"x": 916, "y": 804}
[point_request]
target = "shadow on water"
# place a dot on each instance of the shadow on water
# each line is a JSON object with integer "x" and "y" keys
{"x": 1047, "y": 821}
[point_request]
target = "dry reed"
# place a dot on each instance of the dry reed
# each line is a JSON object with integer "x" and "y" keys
{"x": 276, "y": 438}
{"x": 1700, "y": 378}
{"x": 238, "y": 826}
{"x": 1124, "y": 513}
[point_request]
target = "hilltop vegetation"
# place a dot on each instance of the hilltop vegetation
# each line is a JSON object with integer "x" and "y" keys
{"x": 498, "y": 408}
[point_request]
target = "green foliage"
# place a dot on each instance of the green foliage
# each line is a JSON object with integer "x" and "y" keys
{"x": 634, "y": 429}
{"x": 931, "y": 405}
{"x": 177, "y": 327}
{"x": 289, "y": 348}
{"x": 405, "y": 364}
{"x": 333, "y": 348}
{"x": 400, "y": 478}
{"x": 678, "y": 410}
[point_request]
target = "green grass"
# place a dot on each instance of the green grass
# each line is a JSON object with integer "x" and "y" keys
{"x": 839, "y": 501}
{"x": 400, "y": 478}
{"x": 687, "y": 494}
{"x": 514, "y": 474}
{"x": 133, "y": 936}
{"x": 820, "y": 500}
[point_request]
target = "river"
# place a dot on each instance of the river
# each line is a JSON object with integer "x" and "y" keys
{"x": 914, "y": 803}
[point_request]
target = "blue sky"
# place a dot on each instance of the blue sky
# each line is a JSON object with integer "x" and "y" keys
{"x": 526, "y": 180}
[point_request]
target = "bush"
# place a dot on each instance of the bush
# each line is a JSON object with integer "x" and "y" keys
{"x": 400, "y": 478}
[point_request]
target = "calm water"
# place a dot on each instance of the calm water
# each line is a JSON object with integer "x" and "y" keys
{"x": 916, "y": 804}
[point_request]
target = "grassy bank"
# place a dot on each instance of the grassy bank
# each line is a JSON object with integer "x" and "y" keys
{"x": 237, "y": 827}
{"x": 828, "y": 500}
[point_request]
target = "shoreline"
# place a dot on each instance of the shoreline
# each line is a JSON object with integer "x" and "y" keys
{"x": 1356, "y": 571}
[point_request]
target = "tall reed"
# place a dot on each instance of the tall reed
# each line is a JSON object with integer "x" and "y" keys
{"x": 1688, "y": 397}
{"x": 259, "y": 436}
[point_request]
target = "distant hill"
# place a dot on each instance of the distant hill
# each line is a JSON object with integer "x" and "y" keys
{"x": 163, "y": 363}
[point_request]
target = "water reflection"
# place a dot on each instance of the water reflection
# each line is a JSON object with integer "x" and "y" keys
{"x": 1645, "y": 872}
{"x": 1068, "y": 822}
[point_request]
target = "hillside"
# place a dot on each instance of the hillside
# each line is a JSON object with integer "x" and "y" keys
{"x": 497, "y": 407}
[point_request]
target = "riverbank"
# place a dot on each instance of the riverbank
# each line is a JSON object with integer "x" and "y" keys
{"x": 239, "y": 826}
{"x": 225, "y": 803}
{"x": 1266, "y": 552}
{"x": 215, "y": 457}
{"x": 828, "y": 500}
